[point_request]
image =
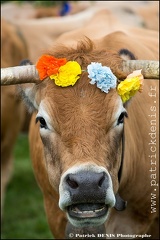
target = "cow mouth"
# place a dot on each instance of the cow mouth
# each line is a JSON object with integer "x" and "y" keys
{"x": 87, "y": 210}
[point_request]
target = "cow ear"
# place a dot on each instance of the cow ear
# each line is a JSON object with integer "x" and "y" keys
{"x": 28, "y": 94}
{"x": 27, "y": 91}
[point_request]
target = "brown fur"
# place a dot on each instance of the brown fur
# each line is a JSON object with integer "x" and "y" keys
{"x": 82, "y": 122}
{"x": 12, "y": 108}
{"x": 109, "y": 15}
{"x": 112, "y": 34}
{"x": 150, "y": 15}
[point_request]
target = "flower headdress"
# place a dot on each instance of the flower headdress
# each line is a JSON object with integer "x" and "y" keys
{"x": 128, "y": 88}
{"x": 66, "y": 73}
{"x": 102, "y": 76}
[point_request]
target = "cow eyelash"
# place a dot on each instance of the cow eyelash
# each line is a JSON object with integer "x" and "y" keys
{"x": 42, "y": 122}
{"x": 121, "y": 118}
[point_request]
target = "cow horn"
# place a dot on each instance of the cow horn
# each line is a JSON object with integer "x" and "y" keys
{"x": 19, "y": 75}
{"x": 150, "y": 69}
{"x": 29, "y": 74}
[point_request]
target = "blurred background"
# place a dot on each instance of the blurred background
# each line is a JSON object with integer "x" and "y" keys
{"x": 27, "y": 29}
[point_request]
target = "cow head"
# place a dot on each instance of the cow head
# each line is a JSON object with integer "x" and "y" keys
{"x": 81, "y": 129}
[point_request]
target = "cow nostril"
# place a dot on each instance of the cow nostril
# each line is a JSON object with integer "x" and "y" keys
{"x": 101, "y": 180}
{"x": 72, "y": 183}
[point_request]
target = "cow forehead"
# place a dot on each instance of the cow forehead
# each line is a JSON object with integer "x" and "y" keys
{"x": 62, "y": 106}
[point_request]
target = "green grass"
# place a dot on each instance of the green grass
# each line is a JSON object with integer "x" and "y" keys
{"x": 23, "y": 215}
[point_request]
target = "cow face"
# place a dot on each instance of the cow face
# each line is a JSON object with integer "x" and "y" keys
{"x": 81, "y": 130}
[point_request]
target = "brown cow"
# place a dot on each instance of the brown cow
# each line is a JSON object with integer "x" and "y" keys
{"x": 81, "y": 160}
{"x": 46, "y": 30}
{"x": 104, "y": 23}
{"x": 13, "y": 50}
{"x": 150, "y": 15}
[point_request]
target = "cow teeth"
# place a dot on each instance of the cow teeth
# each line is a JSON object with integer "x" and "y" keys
{"x": 76, "y": 210}
{"x": 90, "y": 213}
{"x": 87, "y": 213}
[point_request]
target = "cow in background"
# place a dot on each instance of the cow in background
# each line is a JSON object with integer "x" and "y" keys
{"x": 144, "y": 14}
{"x": 41, "y": 33}
{"x": 13, "y": 111}
{"x": 45, "y": 31}
{"x": 104, "y": 27}
{"x": 150, "y": 15}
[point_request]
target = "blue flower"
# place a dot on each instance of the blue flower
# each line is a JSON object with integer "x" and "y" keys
{"x": 102, "y": 76}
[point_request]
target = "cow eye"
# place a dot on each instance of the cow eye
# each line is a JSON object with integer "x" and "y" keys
{"x": 42, "y": 122}
{"x": 121, "y": 117}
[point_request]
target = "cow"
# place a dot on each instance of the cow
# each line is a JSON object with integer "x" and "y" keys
{"x": 109, "y": 23}
{"x": 152, "y": 10}
{"x": 95, "y": 157}
{"x": 13, "y": 110}
{"x": 45, "y": 31}
{"x": 137, "y": 12}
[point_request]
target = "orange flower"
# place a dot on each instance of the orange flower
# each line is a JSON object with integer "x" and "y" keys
{"x": 48, "y": 65}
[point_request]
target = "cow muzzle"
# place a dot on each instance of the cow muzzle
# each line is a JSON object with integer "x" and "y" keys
{"x": 86, "y": 194}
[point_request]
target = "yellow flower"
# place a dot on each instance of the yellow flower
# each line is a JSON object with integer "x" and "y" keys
{"x": 132, "y": 84}
{"x": 67, "y": 74}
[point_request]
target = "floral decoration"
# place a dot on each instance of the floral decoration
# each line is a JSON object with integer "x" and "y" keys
{"x": 48, "y": 65}
{"x": 133, "y": 83}
{"x": 64, "y": 73}
{"x": 67, "y": 74}
{"x": 102, "y": 76}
